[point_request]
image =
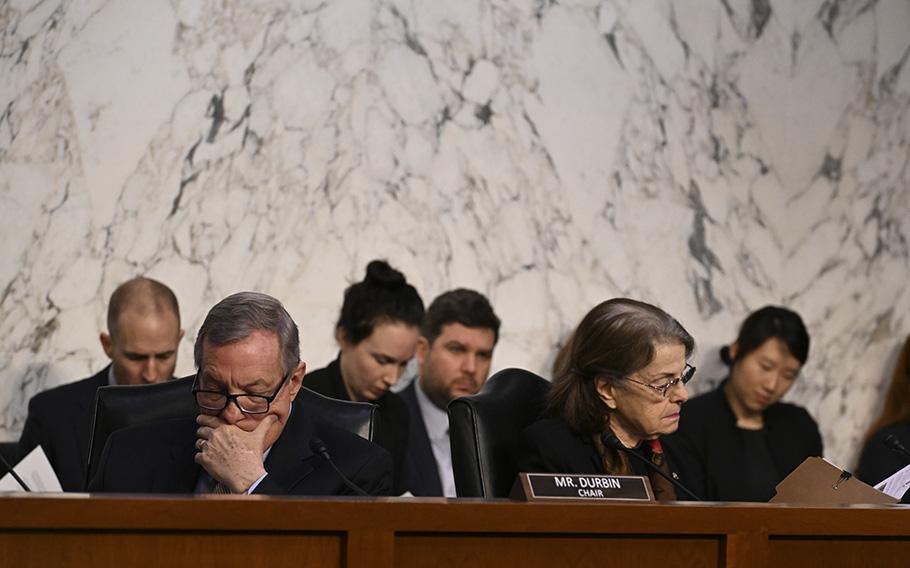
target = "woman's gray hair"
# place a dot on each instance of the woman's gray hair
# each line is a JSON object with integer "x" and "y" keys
{"x": 617, "y": 338}
{"x": 239, "y": 315}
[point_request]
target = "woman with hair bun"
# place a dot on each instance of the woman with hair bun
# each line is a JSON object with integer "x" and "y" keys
{"x": 377, "y": 334}
{"x": 739, "y": 441}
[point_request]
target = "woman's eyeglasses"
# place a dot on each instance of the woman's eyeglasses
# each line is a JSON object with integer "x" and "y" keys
{"x": 664, "y": 388}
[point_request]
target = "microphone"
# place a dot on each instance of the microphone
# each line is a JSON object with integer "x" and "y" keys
{"x": 611, "y": 441}
{"x": 318, "y": 447}
{"x": 15, "y": 475}
{"x": 895, "y": 445}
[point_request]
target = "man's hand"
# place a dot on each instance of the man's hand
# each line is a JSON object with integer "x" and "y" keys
{"x": 231, "y": 455}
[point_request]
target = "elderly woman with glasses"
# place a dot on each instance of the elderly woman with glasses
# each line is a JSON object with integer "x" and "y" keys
{"x": 739, "y": 441}
{"x": 618, "y": 386}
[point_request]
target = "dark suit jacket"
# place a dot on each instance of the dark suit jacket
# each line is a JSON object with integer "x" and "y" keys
{"x": 60, "y": 421}
{"x": 711, "y": 449}
{"x": 392, "y": 433}
{"x": 159, "y": 458}
{"x": 421, "y": 469}
{"x": 878, "y": 462}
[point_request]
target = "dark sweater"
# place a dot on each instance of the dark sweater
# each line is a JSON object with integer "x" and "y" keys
{"x": 712, "y": 449}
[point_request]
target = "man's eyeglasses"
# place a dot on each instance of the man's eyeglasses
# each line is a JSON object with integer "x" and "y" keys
{"x": 216, "y": 401}
{"x": 664, "y": 388}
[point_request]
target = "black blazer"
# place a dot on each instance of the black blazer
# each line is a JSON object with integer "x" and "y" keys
{"x": 393, "y": 417}
{"x": 711, "y": 452}
{"x": 421, "y": 469}
{"x": 159, "y": 458}
{"x": 60, "y": 421}
{"x": 878, "y": 462}
{"x": 550, "y": 446}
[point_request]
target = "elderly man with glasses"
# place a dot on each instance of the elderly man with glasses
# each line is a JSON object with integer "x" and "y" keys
{"x": 249, "y": 436}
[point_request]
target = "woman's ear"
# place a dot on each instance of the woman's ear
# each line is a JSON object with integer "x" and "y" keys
{"x": 606, "y": 392}
{"x": 733, "y": 349}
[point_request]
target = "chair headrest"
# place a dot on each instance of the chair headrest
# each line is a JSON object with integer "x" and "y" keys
{"x": 126, "y": 405}
{"x": 510, "y": 387}
{"x": 359, "y": 418}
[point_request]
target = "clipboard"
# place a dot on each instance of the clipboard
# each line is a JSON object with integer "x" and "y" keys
{"x": 819, "y": 482}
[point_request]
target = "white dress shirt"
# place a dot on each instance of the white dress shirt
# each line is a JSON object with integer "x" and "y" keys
{"x": 437, "y": 423}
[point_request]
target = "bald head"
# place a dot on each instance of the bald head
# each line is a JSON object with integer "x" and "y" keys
{"x": 144, "y": 297}
{"x": 143, "y": 322}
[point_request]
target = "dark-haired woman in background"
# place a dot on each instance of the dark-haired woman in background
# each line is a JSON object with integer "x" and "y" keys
{"x": 878, "y": 461}
{"x": 377, "y": 334}
{"x": 739, "y": 441}
{"x": 618, "y": 386}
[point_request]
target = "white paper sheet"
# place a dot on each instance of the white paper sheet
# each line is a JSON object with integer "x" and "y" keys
{"x": 897, "y": 484}
{"x": 36, "y": 471}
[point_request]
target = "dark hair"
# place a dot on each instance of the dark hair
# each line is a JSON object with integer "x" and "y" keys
{"x": 236, "y": 317}
{"x": 144, "y": 294}
{"x": 897, "y": 401}
{"x": 616, "y": 338}
{"x": 467, "y": 307}
{"x": 383, "y": 296}
{"x": 767, "y": 323}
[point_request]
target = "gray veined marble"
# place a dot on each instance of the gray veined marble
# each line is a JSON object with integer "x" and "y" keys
{"x": 711, "y": 157}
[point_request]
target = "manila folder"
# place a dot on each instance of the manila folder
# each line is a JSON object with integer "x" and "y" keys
{"x": 819, "y": 482}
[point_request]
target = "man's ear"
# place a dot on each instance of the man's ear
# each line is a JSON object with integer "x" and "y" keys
{"x": 423, "y": 347}
{"x": 107, "y": 344}
{"x": 341, "y": 338}
{"x": 606, "y": 391}
{"x": 296, "y": 380}
{"x": 180, "y": 335}
{"x": 733, "y": 349}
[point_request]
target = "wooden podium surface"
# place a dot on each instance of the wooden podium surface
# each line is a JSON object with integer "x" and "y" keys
{"x": 223, "y": 530}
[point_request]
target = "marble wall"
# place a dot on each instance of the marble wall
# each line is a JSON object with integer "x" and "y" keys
{"x": 711, "y": 157}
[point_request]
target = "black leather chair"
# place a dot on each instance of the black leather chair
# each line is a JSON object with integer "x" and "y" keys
{"x": 119, "y": 407}
{"x": 484, "y": 428}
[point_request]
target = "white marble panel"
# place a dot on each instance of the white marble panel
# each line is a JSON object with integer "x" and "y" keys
{"x": 711, "y": 157}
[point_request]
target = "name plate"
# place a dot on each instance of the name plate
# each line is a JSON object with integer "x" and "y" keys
{"x": 579, "y": 487}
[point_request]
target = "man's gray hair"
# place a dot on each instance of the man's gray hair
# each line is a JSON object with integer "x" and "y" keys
{"x": 239, "y": 315}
